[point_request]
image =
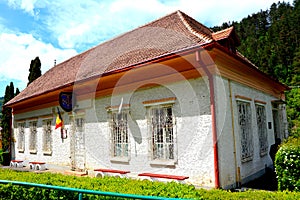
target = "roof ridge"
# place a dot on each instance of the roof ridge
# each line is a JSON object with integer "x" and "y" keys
{"x": 191, "y": 29}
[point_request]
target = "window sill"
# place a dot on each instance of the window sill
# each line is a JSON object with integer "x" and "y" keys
{"x": 47, "y": 153}
{"x": 262, "y": 154}
{"x": 245, "y": 160}
{"x": 33, "y": 151}
{"x": 169, "y": 163}
{"x": 21, "y": 150}
{"x": 119, "y": 159}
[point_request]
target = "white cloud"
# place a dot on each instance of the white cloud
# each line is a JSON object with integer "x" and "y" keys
{"x": 26, "y": 5}
{"x": 17, "y": 51}
{"x": 80, "y": 24}
{"x": 88, "y": 22}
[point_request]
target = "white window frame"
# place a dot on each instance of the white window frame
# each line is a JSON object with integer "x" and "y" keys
{"x": 163, "y": 155}
{"x": 119, "y": 133}
{"x": 245, "y": 129}
{"x": 47, "y": 136}
{"x": 21, "y": 136}
{"x": 261, "y": 122}
{"x": 33, "y": 136}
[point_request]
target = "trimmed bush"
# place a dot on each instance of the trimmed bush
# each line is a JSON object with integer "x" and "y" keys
{"x": 287, "y": 164}
{"x": 121, "y": 185}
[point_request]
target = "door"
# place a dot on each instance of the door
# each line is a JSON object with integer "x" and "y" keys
{"x": 276, "y": 124}
{"x": 78, "y": 145}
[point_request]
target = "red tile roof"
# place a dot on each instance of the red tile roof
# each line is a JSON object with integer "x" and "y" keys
{"x": 222, "y": 34}
{"x": 169, "y": 34}
{"x": 226, "y": 33}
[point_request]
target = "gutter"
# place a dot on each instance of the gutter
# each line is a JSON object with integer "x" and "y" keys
{"x": 213, "y": 116}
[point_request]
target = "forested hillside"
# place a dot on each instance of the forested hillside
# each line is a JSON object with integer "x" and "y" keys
{"x": 1, "y": 104}
{"x": 271, "y": 40}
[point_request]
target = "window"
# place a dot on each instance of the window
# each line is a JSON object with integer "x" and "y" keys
{"x": 47, "y": 136}
{"x": 262, "y": 128}
{"x": 32, "y": 137}
{"x": 162, "y": 134}
{"x": 79, "y": 122}
{"x": 119, "y": 133}
{"x": 244, "y": 121}
{"x": 21, "y": 137}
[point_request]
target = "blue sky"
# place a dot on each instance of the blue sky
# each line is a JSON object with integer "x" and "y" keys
{"x": 60, "y": 29}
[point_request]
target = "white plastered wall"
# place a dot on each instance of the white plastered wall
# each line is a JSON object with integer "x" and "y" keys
{"x": 192, "y": 128}
{"x": 60, "y": 148}
{"x": 192, "y": 116}
{"x": 232, "y": 169}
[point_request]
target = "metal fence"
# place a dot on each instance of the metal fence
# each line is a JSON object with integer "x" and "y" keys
{"x": 84, "y": 191}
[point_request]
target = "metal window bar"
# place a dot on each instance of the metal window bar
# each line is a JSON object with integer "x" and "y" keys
{"x": 79, "y": 124}
{"x": 262, "y": 129}
{"x": 119, "y": 128}
{"x": 245, "y": 130}
{"x": 162, "y": 132}
{"x": 21, "y": 136}
{"x": 33, "y": 130}
{"x": 47, "y": 136}
{"x": 85, "y": 191}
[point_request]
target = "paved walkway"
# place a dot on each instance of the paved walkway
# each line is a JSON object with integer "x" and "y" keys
{"x": 50, "y": 168}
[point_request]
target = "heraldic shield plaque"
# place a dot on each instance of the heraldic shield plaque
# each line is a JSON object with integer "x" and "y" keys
{"x": 66, "y": 101}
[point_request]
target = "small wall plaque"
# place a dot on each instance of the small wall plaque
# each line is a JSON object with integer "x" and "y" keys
{"x": 66, "y": 101}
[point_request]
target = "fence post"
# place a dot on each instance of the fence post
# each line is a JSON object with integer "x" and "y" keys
{"x": 80, "y": 196}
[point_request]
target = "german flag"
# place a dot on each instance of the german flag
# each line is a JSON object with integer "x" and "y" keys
{"x": 59, "y": 121}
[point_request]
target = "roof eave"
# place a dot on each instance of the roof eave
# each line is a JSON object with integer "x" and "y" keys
{"x": 157, "y": 59}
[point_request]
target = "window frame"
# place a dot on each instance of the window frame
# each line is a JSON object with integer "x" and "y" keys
{"x": 114, "y": 112}
{"x": 167, "y": 103}
{"x": 245, "y": 132}
{"x": 33, "y": 137}
{"x": 47, "y": 151}
{"x": 262, "y": 129}
{"x": 21, "y": 137}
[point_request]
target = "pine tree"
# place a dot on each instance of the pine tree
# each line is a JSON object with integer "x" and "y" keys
{"x": 6, "y": 118}
{"x": 34, "y": 70}
{"x": 17, "y": 92}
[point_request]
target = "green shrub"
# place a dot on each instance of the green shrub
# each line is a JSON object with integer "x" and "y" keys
{"x": 287, "y": 164}
{"x": 120, "y": 185}
{"x": 4, "y": 158}
{"x": 1, "y": 157}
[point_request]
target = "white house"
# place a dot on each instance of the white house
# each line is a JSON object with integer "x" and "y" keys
{"x": 170, "y": 97}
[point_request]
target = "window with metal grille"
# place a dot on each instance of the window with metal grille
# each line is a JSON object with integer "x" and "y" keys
{"x": 262, "y": 128}
{"x": 21, "y": 137}
{"x": 162, "y": 135}
{"x": 47, "y": 136}
{"x": 79, "y": 124}
{"x": 245, "y": 129}
{"x": 119, "y": 133}
{"x": 32, "y": 137}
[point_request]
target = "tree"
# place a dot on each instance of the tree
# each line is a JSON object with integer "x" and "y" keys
{"x": 34, "y": 70}
{"x": 6, "y": 117}
{"x": 17, "y": 92}
{"x": 271, "y": 40}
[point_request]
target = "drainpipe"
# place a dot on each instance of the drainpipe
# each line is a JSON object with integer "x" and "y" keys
{"x": 237, "y": 169}
{"x": 213, "y": 116}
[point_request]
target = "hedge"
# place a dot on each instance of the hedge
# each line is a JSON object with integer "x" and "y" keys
{"x": 121, "y": 185}
{"x": 287, "y": 165}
